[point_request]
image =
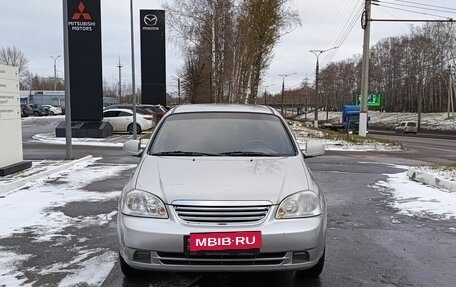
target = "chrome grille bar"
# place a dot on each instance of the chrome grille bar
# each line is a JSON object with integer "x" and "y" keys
{"x": 221, "y": 212}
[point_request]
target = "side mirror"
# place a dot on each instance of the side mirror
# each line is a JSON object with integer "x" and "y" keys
{"x": 314, "y": 148}
{"x": 133, "y": 147}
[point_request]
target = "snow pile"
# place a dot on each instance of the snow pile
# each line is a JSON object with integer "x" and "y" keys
{"x": 443, "y": 179}
{"x": 415, "y": 199}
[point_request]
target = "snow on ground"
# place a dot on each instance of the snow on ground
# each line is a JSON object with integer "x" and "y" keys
{"x": 42, "y": 218}
{"x": 9, "y": 262}
{"x": 116, "y": 140}
{"x": 415, "y": 199}
{"x": 93, "y": 272}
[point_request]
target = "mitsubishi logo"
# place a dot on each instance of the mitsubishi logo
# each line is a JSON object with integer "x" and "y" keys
{"x": 81, "y": 14}
{"x": 150, "y": 20}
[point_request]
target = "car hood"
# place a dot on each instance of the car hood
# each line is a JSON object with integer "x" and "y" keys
{"x": 226, "y": 178}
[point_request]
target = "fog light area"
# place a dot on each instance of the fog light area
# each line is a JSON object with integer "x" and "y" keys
{"x": 142, "y": 256}
{"x": 300, "y": 257}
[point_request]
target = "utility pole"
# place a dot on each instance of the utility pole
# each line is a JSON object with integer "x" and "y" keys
{"x": 120, "y": 80}
{"x": 265, "y": 94}
{"x": 306, "y": 85}
{"x": 179, "y": 89}
{"x": 365, "y": 24}
{"x": 317, "y": 53}
{"x": 450, "y": 93}
{"x": 66, "y": 57}
{"x": 133, "y": 92}
{"x": 283, "y": 90}
{"x": 55, "y": 70}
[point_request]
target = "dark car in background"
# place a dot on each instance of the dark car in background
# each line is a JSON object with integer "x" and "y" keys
{"x": 26, "y": 110}
{"x": 39, "y": 110}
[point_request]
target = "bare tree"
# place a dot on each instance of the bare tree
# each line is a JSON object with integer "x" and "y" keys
{"x": 12, "y": 56}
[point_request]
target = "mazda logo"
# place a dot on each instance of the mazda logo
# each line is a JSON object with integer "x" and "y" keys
{"x": 150, "y": 20}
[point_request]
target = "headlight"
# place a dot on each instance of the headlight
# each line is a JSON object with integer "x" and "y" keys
{"x": 301, "y": 204}
{"x": 144, "y": 204}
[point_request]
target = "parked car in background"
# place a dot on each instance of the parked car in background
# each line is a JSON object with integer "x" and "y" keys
{"x": 122, "y": 120}
{"x": 53, "y": 110}
{"x": 159, "y": 110}
{"x": 26, "y": 110}
{"x": 407, "y": 127}
{"x": 222, "y": 188}
{"x": 39, "y": 110}
{"x": 139, "y": 109}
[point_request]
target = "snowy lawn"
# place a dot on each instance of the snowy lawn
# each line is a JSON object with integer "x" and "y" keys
{"x": 116, "y": 140}
{"x": 342, "y": 142}
{"x": 429, "y": 121}
{"x": 37, "y": 210}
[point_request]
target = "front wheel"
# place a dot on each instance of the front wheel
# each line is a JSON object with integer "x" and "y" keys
{"x": 130, "y": 129}
{"x": 315, "y": 271}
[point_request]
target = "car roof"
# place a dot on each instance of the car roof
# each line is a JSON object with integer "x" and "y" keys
{"x": 196, "y": 108}
{"x": 118, "y": 110}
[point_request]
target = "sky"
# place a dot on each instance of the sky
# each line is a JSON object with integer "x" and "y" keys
{"x": 35, "y": 27}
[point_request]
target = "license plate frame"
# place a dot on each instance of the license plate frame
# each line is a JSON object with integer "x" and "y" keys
{"x": 232, "y": 249}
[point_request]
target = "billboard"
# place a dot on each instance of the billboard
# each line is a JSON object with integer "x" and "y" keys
{"x": 11, "y": 157}
{"x": 153, "y": 57}
{"x": 86, "y": 80}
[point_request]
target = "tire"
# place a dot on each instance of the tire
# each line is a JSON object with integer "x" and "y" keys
{"x": 127, "y": 270}
{"x": 130, "y": 129}
{"x": 315, "y": 271}
{"x": 51, "y": 113}
{"x": 35, "y": 114}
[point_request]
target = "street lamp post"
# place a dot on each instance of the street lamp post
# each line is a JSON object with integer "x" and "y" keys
{"x": 55, "y": 71}
{"x": 266, "y": 93}
{"x": 133, "y": 94}
{"x": 317, "y": 53}
{"x": 283, "y": 76}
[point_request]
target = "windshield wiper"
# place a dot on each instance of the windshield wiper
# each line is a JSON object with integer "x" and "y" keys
{"x": 184, "y": 153}
{"x": 246, "y": 153}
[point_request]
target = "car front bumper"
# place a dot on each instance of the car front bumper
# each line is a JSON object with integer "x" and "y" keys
{"x": 287, "y": 244}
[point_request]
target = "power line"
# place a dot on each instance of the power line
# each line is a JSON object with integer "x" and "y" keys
{"x": 347, "y": 32}
{"x": 349, "y": 20}
{"x": 411, "y": 11}
{"x": 418, "y": 7}
{"x": 428, "y": 5}
{"x": 329, "y": 32}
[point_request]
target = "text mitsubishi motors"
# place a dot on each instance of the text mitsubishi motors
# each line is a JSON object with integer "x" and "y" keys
{"x": 222, "y": 188}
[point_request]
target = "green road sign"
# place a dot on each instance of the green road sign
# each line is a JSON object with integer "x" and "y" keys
{"x": 373, "y": 100}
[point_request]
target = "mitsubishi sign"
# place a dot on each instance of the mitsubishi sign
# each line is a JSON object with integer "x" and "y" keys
{"x": 86, "y": 81}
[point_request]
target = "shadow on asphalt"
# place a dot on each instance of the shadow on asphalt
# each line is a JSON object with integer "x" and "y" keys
{"x": 262, "y": 279}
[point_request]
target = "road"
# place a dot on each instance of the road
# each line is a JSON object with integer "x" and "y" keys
{"x": 368, "y": 243}
{"x": 434, "y": 150}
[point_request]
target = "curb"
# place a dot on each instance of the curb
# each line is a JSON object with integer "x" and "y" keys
{"x": 432, "y": 180}
{"x": 24, "y": 181}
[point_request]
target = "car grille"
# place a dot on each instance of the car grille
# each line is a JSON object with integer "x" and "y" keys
{"x": 169, "y": 258}
{"x": 221, "y": 213}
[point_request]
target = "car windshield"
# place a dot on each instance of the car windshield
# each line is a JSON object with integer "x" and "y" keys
{"x": 222, "y": 134}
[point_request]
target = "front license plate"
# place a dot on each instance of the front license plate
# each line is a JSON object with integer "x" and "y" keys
{"x": 224, "y": 241}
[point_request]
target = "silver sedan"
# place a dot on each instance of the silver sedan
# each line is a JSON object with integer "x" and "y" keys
{"x": 222, "y": 188}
